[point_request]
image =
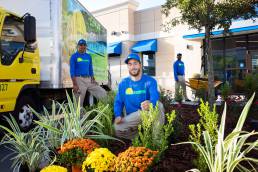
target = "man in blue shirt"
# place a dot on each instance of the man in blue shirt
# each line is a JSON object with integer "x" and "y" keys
{"x": 179, "y": 76}
{"x": 135, "y": 93}
{"x": 81, "y": 71}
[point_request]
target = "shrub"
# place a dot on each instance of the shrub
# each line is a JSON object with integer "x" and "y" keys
{"x": 166, "y": 97}
{"x": 251, "y": 84}
{"x": 135, "y": 159}
{"x": 230, "y": 150}
{"x": 152, "y": 133}
{"x": 54, "y": 168}
{"x": 208, "y": 122}
{"x": 225, "y": 90}
{"x": 100, "y": 160}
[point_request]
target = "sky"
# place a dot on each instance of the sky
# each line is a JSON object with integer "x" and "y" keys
{"x": 93, "y": 5}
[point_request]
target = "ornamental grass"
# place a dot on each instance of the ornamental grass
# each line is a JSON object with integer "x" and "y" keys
{"x": 54, "y": 168}
{"x": 100, "y": 160}
{"x": 138, "y": 159}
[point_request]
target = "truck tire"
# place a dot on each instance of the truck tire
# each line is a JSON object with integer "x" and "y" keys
{"x": 23, "y": 113}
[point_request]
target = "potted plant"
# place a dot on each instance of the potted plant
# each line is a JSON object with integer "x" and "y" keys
{"x": 100, "y": 160}
{"x": 54, "y": 168}
{"x": 73, "y": 153}
{"x": 135, "y": 159}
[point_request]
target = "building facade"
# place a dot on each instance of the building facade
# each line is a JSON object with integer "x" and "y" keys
{"x": 142, "y": 32}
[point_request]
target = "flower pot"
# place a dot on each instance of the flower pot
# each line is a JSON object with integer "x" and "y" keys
{"x": 76, "y": 168}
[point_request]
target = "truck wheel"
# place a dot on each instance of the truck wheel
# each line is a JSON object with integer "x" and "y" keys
{"x": 23, "y": 113}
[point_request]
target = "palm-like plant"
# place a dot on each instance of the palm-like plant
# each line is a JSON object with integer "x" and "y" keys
{"x": 27, "y": 149}
{"x": 231, "y": 150}
{"x": 68, "y": 123}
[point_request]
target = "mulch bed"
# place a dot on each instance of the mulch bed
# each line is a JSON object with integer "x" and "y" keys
{"x": 179, "y": 158}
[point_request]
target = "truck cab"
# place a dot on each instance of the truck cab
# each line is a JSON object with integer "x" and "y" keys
{"x": 19, "y": 66}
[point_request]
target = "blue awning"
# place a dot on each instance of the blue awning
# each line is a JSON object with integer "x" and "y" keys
{"x": 115, "y": 48}
{"x": 220, "y": 32}
{"x": 145, "y": 45}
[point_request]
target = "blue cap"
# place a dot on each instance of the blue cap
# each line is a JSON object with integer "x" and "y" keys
{"x": 82, "y": 42}
{"x": 132, "y": 56}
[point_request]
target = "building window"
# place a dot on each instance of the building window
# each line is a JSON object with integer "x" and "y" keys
{"x": 148, "y": 63}
{"x": 234, "y": 57}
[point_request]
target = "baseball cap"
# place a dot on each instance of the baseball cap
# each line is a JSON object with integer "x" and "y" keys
{"x": 132, "y": 56}
{"x": 82, "y": 42}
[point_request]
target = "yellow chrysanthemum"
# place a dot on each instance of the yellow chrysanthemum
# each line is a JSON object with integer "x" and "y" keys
{"x": 100, "y": 160}
{"x": 54, "y": 168}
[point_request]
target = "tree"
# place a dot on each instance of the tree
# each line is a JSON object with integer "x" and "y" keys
{"x": 208, "y": 14}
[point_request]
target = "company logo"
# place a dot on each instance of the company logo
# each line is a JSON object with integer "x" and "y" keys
{"x": 79, "y": 59}
{"x": 130, "y": 91}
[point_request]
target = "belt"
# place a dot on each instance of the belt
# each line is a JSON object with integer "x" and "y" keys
{"x": 83, "y": 76}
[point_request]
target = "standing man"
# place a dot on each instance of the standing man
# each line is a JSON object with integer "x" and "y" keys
{"x": 135, "y": 93}
{"x": 81, "y": 71}
{"x": 179, "y": 76}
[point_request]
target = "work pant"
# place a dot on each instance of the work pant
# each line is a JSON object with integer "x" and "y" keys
{"x": 85, "y": 84}
{"x": 128, "y": 129}
{"x": 181, "y": 84}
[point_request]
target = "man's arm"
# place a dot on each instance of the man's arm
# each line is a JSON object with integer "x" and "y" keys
{"x": 175, "y": 71}
{"x": 91, "y": 73}
{"x": 118, "y": 106}
{"x": 154, "y": 95}
{"x": 91, "y": 67}
{"x": 72, "y": 73}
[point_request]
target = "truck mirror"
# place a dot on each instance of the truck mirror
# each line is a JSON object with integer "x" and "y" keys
{"x": 29, "y": 29}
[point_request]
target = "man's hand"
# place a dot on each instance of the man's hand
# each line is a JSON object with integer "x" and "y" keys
{"x": 145, "y": 105}
{"x": 76, "y": 89}
{"x": 93, "y": 80}
{"x": 118, "y": 120}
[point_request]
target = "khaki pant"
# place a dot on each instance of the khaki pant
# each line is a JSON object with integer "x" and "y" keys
{"x": 128, "y": 129}
{"x": 181, "y": 83}
{"x": 84, "y": 84}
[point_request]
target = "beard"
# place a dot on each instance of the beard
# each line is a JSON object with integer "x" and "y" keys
{"x": 134, "y": 72}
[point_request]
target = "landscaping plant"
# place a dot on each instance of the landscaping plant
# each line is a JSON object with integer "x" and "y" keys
{"x": 208, "y": 122}
{"x": 27, "y": 149}
{"x": 54, "y": 168}
{"x": 152, "y": 133}
{"x": 72, "y": 122}
{"x": 75, "y": 151}
{"x": 166, "y": 97}
{"x": 135, "y": 159}
{"x": 100, "y": 160}
{"x": 230, "y": 150}
{"x": 251, "y": 84}
{"x": 225, "y": 91}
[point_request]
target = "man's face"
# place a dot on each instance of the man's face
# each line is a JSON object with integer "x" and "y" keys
{"x": 82, "y": 48}
{"x": 134, "y": 67}
{"x": 179, "y": 57}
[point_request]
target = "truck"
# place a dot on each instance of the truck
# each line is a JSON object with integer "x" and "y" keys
{"x": 37, "y": 39}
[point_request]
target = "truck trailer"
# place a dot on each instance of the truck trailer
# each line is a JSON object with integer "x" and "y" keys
{"x": 37, "y": 39}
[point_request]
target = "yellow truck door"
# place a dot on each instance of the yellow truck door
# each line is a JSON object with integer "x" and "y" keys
{"x": 18, "y": 68}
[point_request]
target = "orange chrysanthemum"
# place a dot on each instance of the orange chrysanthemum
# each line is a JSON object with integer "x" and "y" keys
{"x": 135, "y": 159}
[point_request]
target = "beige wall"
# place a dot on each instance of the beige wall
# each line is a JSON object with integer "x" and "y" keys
{"x": 146, "y": 24}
